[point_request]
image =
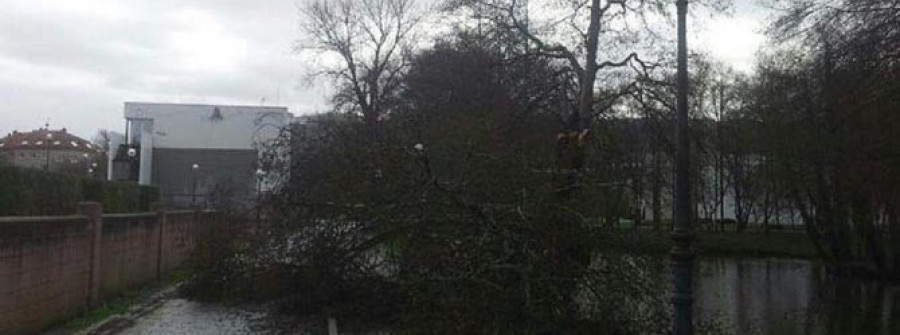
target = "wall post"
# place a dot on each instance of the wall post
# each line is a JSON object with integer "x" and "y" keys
{"x": 94, "y": 213}
{"x": 161, "y": 238}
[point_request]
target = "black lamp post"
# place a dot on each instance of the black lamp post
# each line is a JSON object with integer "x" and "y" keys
{"x": 260, "y": 174}
{"x": 47, "y": 145}
{"x": 682, "y": 255}
{"x": 194, "y": 169}
{"x": 87, "y": 164}
{"x": 132, "y": 171}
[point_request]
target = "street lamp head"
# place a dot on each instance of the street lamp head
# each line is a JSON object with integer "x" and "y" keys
{"x": 132, "y": 152}
{"x": 260, "y": 173}
{"x": 195, "y": 166}
{"x": 85, "y": 155}
{"x": 94, "y": 165}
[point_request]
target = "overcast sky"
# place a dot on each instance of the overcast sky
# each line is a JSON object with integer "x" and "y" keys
{"x": 75, "y": 62}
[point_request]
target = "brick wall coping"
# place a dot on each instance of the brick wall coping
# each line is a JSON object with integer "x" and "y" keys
{"x": 181, "y": 212}
{"x": 141, "y": 215}
{"x": 41, "y": 219}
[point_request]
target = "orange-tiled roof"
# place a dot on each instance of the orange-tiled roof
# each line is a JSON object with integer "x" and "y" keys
{"x": 46, "y": 139}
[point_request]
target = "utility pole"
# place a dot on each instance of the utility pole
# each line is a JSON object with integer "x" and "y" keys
{"x": 682, "y": 256}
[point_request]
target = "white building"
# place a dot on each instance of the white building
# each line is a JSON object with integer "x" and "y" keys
{"x": 195, "y": 152}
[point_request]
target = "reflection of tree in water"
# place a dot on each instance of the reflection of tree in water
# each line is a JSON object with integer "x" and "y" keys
{"x": 745, "y": 296}
{"x": 853, "y": 306}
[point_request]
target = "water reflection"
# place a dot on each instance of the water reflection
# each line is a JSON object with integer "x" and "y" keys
{"x": 778, "y": 296}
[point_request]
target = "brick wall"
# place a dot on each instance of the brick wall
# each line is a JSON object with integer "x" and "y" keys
{"x": 52, "y": 268}
{"x": 130, "y": 245}
{"x": 178, "y": 241}
{"x": 44, "y": 270}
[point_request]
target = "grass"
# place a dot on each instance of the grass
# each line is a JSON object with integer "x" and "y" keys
{"x": 782, "y": 244}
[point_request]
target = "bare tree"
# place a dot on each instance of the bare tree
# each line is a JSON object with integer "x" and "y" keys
{"x": 101, "y": 139}
{"x": 369, "y": 37}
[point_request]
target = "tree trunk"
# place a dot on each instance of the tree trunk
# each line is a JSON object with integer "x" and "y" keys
{"x": 656, "y": 191}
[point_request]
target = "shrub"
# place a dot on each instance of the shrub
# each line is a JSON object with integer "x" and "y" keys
{"x": 35, "y": 192}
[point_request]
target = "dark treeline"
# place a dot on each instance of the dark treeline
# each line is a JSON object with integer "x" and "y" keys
{"x": 827, "y": 104}
{"x": 471, "y": 186}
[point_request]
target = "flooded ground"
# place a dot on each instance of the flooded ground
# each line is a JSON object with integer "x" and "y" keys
{"x": 186, "y": 317}
{"x": 783, "y": 296}
{"x": 741, "y": 296}
{"x": 179, "y": 316}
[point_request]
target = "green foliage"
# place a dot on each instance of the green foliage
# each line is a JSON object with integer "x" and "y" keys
{"x": 34, "y": 192}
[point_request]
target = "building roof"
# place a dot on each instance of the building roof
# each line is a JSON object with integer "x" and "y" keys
{"x": 46, "y": 139}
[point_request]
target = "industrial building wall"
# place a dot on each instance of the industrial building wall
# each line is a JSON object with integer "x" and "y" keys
{"x": 184, "y": 126}
{"x": 221, "y": 173}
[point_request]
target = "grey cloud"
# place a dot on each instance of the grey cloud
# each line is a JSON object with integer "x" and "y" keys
{"x": 77, "y": 69}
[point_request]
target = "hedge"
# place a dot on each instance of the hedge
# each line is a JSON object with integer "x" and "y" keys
{"x": 34, "y": 192}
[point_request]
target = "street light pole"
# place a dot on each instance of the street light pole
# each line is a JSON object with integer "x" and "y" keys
{"x": 682, "y": 256}
{"x": 259, "y": 178}
{"x": 87, "y": 164}
{"x": 194, "y": 169}
{"x": 47, "y": 152}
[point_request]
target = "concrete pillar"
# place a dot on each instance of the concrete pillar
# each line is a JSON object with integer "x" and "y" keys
{"x": 146, "y": 164}
{"x": 94, "y": 213}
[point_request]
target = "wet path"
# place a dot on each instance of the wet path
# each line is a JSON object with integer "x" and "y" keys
{"x": 179, "y": 316}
